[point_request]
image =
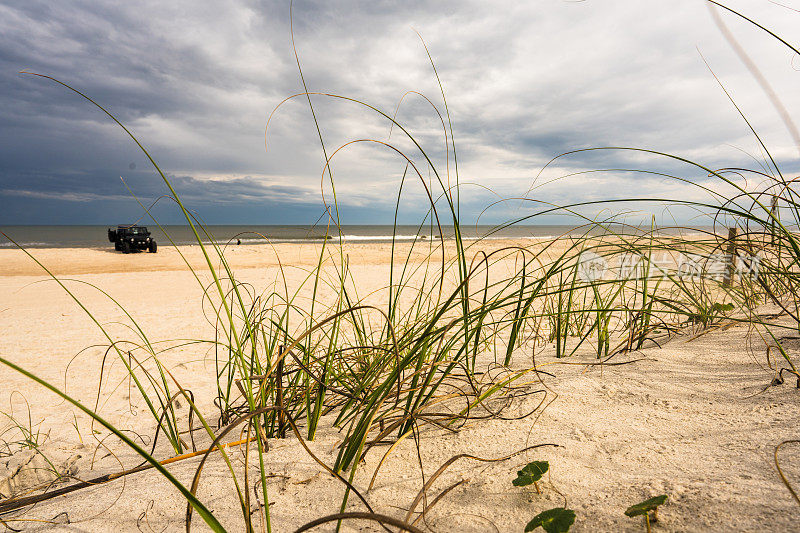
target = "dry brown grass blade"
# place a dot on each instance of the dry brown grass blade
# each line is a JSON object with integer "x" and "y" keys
{"x": 436, "y": 500}
{"x": 375, "y": 517}
{"x": 455, "y": 458}
{"x": 389, "y": 451}
{"x": 16, "y": 503}
{"x": 780, "y": 472}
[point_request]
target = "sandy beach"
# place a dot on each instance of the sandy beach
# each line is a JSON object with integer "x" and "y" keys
{"x": 693, "y": 418}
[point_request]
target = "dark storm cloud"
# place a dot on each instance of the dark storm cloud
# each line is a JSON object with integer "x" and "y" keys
{"x": 92, "y": 186}
{"x": 196, "y": 81}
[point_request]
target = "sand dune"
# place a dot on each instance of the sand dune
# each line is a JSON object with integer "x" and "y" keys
{"x": 691, "y": 419}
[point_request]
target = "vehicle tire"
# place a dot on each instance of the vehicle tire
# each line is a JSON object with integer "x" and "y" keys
{"x": 117, "y": 246}
{"x": 126, "y": 247}
{"x": 153, "y": 248}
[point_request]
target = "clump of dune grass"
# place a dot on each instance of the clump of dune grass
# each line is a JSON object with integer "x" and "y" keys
{"x": 381, "y": 373}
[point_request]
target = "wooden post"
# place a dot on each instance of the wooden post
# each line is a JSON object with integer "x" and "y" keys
{"x": 775, "y": 213}
{"x": 730, "y": 270}
{"x": 279, "y": 393}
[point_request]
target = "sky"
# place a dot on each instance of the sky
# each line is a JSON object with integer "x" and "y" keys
{"x": 203, "y": 86}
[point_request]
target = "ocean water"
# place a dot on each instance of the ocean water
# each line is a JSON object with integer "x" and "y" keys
{"x": 96, "y": 236}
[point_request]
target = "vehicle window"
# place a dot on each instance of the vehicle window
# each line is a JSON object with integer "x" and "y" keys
{"x": 133, "y": 231}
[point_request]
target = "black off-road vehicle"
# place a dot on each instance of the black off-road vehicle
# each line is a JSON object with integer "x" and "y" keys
{"x": 127, "y": 239}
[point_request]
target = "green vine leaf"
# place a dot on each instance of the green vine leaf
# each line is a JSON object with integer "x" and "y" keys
{"x": 531, "y": 473}
{"x": 557, "y": 520}
{"x": 646, "y": 506}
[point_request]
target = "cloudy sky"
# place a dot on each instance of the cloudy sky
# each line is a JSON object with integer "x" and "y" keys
{"x": 196, "y": 82}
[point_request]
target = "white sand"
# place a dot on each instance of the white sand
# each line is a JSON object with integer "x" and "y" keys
{"x": 685, "y": 420}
